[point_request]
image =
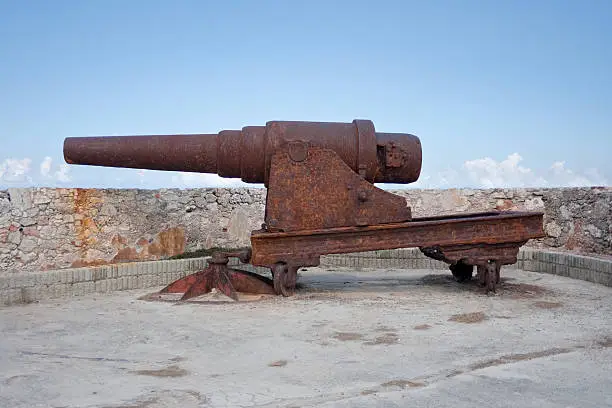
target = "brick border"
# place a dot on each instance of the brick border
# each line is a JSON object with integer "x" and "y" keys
{"x": 591, "y": 269}
{"x": 28, "y": 287}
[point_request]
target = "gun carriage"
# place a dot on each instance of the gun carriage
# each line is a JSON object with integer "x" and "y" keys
{"x": 321, "y": 199}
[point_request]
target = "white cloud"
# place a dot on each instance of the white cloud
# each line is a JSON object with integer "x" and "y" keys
{"x": 559, "y": 174}
{"x": 45, "y": 166}
{"x": 478, "y": 173}
{"x": 489, "y": 173}
{"x": 18, "y": 173}
{"x": 61, "y": 175}
{"x": 15, "y": 172}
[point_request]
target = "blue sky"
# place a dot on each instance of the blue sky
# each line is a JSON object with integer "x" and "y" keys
{"x": 501, "y": 93}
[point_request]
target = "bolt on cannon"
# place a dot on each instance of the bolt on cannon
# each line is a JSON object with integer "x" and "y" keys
{"x": 321, "y": 199}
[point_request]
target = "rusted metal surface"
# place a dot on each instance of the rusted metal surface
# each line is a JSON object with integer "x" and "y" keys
{"x": 463, "y": 240}
{"x": 320, "y": 200}
{"x": 247, "y": 153}
{"x": 478, "y": 230}
{"x": 226, "y": 280}
{"x": 311, "y": 188}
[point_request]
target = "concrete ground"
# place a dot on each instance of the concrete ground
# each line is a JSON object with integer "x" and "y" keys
{"x": 366, "y": 338}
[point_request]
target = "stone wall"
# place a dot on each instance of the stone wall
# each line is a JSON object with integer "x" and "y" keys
{"x": 46, "y": 228}
{"x": 575, "y": 219}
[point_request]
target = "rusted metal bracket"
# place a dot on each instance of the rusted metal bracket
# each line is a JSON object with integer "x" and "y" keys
{"x": 312, "y": 188}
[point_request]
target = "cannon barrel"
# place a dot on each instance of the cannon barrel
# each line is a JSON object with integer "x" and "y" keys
{"x": 246, "y": 153}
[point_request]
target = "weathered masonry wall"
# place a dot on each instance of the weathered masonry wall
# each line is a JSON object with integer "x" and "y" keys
{"x": 45, "y": 228}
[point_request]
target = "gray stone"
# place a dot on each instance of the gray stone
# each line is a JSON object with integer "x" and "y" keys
{"x": 41, "y": 199}
{"x": 26, "y": 256}
{"x": 210, "y": 198}
{"x": 14, "y": 237}
{"x": 553, "y": 229}
{"x": 28, "y": 222}
{"x": 108, "y": 210}
{"x": 535, "y": 203}
{"x": 28, "y": 245}
{"x": 212, "y": 207}
{"x": 223, "y": 200}
{"x": 594, "y": 231}
{"x": 20, "y": 197}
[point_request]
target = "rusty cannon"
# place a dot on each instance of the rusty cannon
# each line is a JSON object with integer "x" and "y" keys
{"x": 320, "y": 199}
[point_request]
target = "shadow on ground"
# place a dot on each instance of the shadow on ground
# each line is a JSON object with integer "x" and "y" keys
{"x": 331, "y": 281}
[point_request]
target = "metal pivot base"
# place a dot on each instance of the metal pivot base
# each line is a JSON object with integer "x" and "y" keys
{"x": 227, "y": 280}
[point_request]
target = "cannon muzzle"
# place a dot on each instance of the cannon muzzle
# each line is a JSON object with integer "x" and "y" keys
{"x": 246, "y": 153}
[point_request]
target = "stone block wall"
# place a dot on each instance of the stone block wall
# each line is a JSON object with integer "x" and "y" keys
{"x": 575, "y": 219}
{"x": 47, "y": 228}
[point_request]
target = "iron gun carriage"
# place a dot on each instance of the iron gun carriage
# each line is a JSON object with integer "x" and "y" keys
{"x": 321, "y": 199}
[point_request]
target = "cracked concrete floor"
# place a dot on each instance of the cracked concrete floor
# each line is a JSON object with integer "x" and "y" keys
{"x": 349, "y": 338}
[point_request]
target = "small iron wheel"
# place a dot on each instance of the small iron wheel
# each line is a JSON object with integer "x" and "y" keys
{"x": 283, "y": 282}
{"x": 462, "y": 271}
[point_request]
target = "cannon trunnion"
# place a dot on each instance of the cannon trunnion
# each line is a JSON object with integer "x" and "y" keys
{"x": 321, "y": 199}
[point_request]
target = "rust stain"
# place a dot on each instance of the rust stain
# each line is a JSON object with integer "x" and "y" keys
{"x": 84, "y": 206}
{"x": 548, "y": 305}
{"x": 474, "y": 317}
{"x": 403, "y": 384}
{"x": 385, "y": 329}
{"x": 347, "y": 336}
{"x": 512, "y": 358}
{"x": 386, "y": 339}
{"x": 81, "y": 263}
{"x": 170, "y": 371}
{"x": 171, "y": 242}
{"x": 368, "y": 392}
{"x": 524, "y": 290}
{"x": 167, "y": 243}
{"x": 119, "y": 242}
{"x": 573, "y": 240}
{"x": 126, "y": 254}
